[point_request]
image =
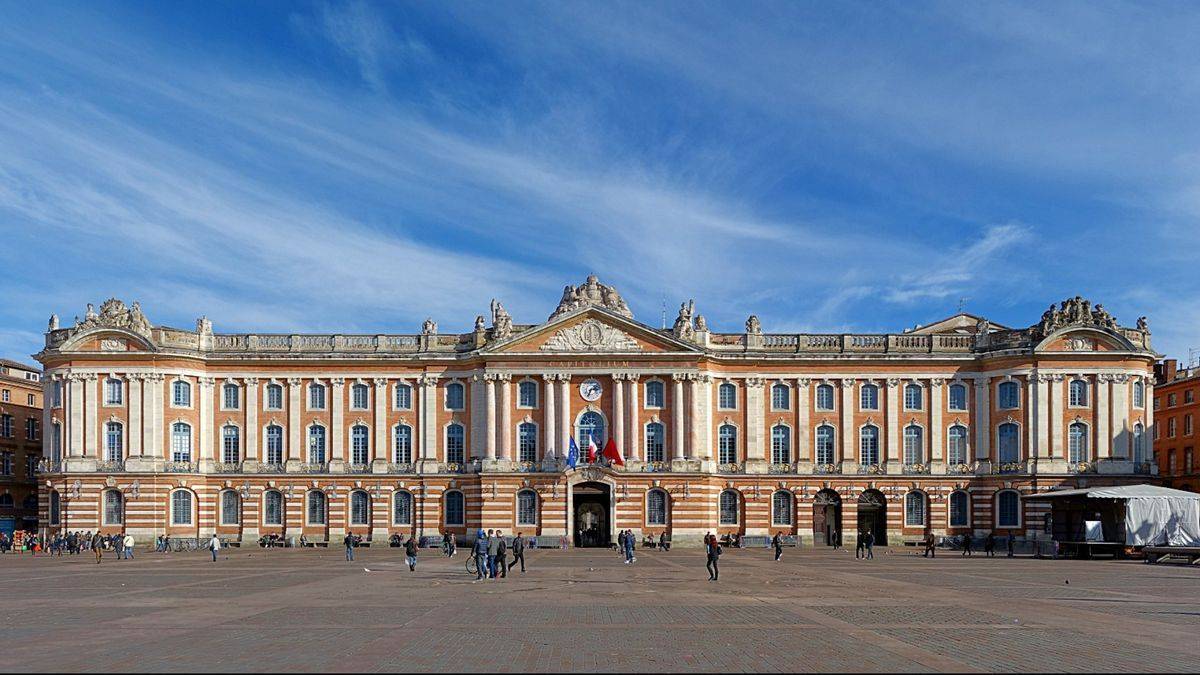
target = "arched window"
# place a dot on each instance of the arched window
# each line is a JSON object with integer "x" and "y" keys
{"x": 781, "y": 444}
{"x": 729, "y": 508}
{"x": 360, "y": 397}
{"x": 181, "y": 394}
{"x": 726, "y": 396}
{"x": 316, "y": 508}
{"x": 781, "y": 397}
{"x": 1139, "y": 443}
{"x": 868, "y": 397}
{"x": 55, "y": 508}
{"x": 113, "y": 391}
{"x": 455, "y": 399}
{"x": 655, "y": 435}
{"x": 781, "y": 508}
{"x": 229, "y": 396}
{"x": 1078, "y": 390}
{"x": 868, "y": 445}
{"x": 272, "y": 507}
{"x": 274, "y": 444}
{"x": 231, "y": 508}
{"x": 114, "y": 438}
{"x": 402, "y": 394}
{"x": 360, "y": 447}
{"x": 1078, "y": 442}
{"x": 1139, "y": 395}
{"x": 825, "y": 442}
{"x": 914, "y": 509}
{"x": 231, "y": 444}
{"x": 956, "y": 445}
{"x": 1009, "y": 395}
{"x": 527, "y": 442}
{"x": 181, "y": 442}
{"x": 455, "y": 444}
{"x": 360, "y": 508}
{"x": 114, "y": 507}
{"x": 1008, "y": 509}
{"x": 527, "y": 392}
{"x": 402, "y": 444}
{"x": 181, "y": 507}
{"x": 402, "y": 508}
{"x": 274, "y": 397}
{"x": 914, "y": 445}
{"x": 527, "y": 507}
{"x": 656, "y": 508}
{"x": 656, "y": 394}
{"x": 958, "y": 397}
{"x": 727, "y": 444}
{"x": 455, "y": 509}
{"x": 316, "y": 444}
{"x": 590, "y": 429}
{"x": 960, "y": 509}
{"x": 1009, "y": 440}
{"x": 316, "y": 396}
{"x": 913, "y": 397}
{"x": 825, "y": 397}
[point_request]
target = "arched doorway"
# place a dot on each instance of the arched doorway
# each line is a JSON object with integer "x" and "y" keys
{"x": 872, "y": 516}
{"x": 592, "y": 507}
{"x": 827, "y": 518}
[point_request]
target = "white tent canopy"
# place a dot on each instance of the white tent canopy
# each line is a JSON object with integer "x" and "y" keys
{"x": 1154, "y": 515}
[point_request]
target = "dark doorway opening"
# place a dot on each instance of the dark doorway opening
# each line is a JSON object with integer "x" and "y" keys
{"x": 827, "y": 518}
{"x": 593, "y": 515}
{"x": 872, "y": 516}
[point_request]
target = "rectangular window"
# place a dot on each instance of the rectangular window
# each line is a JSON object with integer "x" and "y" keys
{"x": 359, "y": 398}
{"x": 1189, "y": 396}
{"x": 781, "y": 397}
{"x": 403, "y": 397}
{"x": 1171, "y": 427}
{"x": 29, "y": 400}
{"x": 113, "y": 389}
{"x": 56, "y": 390}
{"x": 274, "y": 397}
{"x": 6, "y": 426}
{"x": 31, "y": 429}
{"x": 527, "y": 395}
{"x": 229, "y": 398}
{"x": 1172, "y": 399}
{"x": 1187, "y": 425}
{"x": 958, "y": 398}
{"x": 316, "y": 397}
{"x": 6, "y": 463}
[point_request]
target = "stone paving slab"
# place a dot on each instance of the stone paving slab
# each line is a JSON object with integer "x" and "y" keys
{"x": 815, "y": 611}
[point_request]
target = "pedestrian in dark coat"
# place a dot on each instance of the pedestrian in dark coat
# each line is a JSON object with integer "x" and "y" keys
{"x": 518, "y": 551}
{"x": 777, "y": 542}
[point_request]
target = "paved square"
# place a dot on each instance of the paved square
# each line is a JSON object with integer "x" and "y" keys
{"x": 817, "y": 610}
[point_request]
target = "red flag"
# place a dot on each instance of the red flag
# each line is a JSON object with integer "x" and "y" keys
{"x": 611, "y": 452}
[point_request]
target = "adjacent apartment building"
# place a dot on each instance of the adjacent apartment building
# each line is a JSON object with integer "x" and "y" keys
{"x": 20, "y": 445}
{"x": 1177, "y": 406}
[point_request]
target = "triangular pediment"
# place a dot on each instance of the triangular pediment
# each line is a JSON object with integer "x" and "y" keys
{"x": 591, "y": 330}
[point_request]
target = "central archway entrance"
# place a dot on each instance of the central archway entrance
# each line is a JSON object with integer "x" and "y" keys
{"x": 827, "y": 518}
{"x": 872, "y": 516}
{"x": 592, "y": 505}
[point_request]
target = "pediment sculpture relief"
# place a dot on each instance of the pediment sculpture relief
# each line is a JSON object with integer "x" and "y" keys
{"x": 591, "y": 336}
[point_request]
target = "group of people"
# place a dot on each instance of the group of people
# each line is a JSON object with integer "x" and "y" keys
{"x": 625, "y": 545}
{"x": 967, "y": 544}
{"x": 72, "y": 543}
{"x": 491, "y": 551}
{"x": 662, "y": 543}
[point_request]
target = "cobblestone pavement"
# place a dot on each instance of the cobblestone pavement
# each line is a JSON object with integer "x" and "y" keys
{"x": 816, "y": 610}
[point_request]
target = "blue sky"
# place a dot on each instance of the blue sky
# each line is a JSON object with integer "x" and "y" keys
{"x": 356, "y": 167}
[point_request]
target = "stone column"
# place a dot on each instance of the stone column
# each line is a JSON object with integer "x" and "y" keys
{"x": 847, "y": 449}
{"x": 635, "y": 424}
{"x": 478, "y": 416}
{"x": 1058, "y": 449}
{"x": 1121, "y": 432}
{"x": 1043, "y": 415}
{"x": 701, "y": 426}
{"x": 937, "y": 403}
{"x": 489, "y": 385}
{"x": 74, "y": 424}
{"x": 251, "y": 423}
{"x": 91, "y": 420}
{"x": 506, "y": 426}
{"x": 804, "y": 445}
{"x": 564, "y": 425}
{"x": 295, "y": 433}
{"x": 677, "y": 449}
{"x": 548, "y": 420}
{"x": 48, "y": 385}
{"x": 618, "y": 425}
{"x": 983, "y": 418}
{"x": 895, "y": 392}
{"x": 207, "y": 447}
{"x": 1103, "y": 430}
{"x": 1031, "y": 416}
{"x": 339, "y": 454}
{"x": 428, "y": 423}
{"x": 136, "y": 384}
{"x": 380, "y": 401}
{"x": 757, "y": 459}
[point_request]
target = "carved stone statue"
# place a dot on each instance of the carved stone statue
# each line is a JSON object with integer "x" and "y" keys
{"x": 114, "y": 314}
{"x": 591, "y": 293}
{"x": 753, "y": 327}
{"x": 204, "y": 326}
{"x": 429, "y": 327}
{"x": 90, "y": 315}
{"x": 683, "y": 323}
{"x": 138, "y": 320}
{"x": 501, "y": 321}
{"x": 1076, "y": 311}
{"x": 479, "y": 324}
{"x": 53, "y": 326}
{"x": 701, "y": 323}
{"x": 1143, "y": 325}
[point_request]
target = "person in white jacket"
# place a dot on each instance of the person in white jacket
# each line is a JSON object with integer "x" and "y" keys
{"x": 128, "y": 546}
{"x": 214, "y": 545}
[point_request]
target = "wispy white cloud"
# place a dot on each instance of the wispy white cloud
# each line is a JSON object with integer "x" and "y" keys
{"x": 958, "y": 269}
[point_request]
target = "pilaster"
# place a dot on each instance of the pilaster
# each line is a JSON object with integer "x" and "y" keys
{"x": 1058, "y": 449}
{"x": 635, "y": 423}
{"x": 1042, "y": 421}
{"x": 75, "y": 420}
{"x": 380, "y": 401}
{"x": 894, "y": 393}
{"x": 937, "y": 403}
{"x": 134, "y": 433}
{"x": 489, "y": 447}
{"x": 701, "y": 384}
{"x": 844, "y": 452}
{"x": 677, "y": 422}
{"x": 294, "y": 444}
{"x": 252, "y": 431}
{"x": 207, "y": 446}
{"x": 91, "y": 420}
{"x": 337, "y": 432}
{"x": 619, "y": 414}
{"x": 549, "y": 422}
{"x": 506, "y": 426}
{"x": 804, "y": 442}
{"x": 983, "y": 418}
{"x": 1104, "y": 440}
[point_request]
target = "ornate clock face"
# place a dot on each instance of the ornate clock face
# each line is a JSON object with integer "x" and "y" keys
{"x": 590, "y": 390}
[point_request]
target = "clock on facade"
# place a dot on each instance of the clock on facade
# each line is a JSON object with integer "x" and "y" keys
{"x": 590, "y": 390}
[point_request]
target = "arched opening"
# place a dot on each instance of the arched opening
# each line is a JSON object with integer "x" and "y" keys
{"x": 827, "y": 518}
{"x": 872, "y": 516}
{"x": 592, "y": 507}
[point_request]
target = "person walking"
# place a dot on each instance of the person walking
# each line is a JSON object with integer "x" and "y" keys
{"x": 410, "y": 553}
{"x": 501, "y": 562}
{"x": 930, "y": 547}
{"x": 493, "y": 547}
{"x": 128, "y": 546}
{"x": 989, "y": 545}
{"x": 480, "y": 550}
{"x": 966, "y": 545}
{"x": 860, "y": 546}
{"x": 713, "y": 554}
{"x": 96, "y": 547}
{"x": 453, "y": 544}
{"x": 118, "y": 544}
{"x": 348, "y": 541}
{"x": 214, "y": 545}
{"x": 446, "y": 544}
{"x": 870, "y": 538}
{"x": 662, "y": 541}
{"x": 518, "y": 551}
{"x": 777, "y": 542}
{"x": 835, "y": 537}
{"x": 630, "y": 542}
{"x": 1010, "y": 544}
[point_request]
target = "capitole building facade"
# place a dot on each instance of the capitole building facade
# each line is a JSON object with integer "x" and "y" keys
{"x": 946, "y": 428}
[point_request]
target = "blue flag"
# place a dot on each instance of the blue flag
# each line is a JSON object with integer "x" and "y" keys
{"x": 573, "y": 454}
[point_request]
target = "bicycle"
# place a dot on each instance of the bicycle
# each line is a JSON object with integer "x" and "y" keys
{"x": 472, "y": 566}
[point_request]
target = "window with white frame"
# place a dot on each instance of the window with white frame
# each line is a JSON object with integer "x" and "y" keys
{"x": 781, "y": 508}
{"x": 825, "y": 397}
{"x": 914, "y": 445}
{"x": 781, "y": 444}
{"x": 914, "y": 397}
{"x": 181, "y": 442}
{"x": 1139, "y": 443}
{"x": 527, "y": 507}
{"x": 316, "y": 507}
{"x": 1139, "y": 395}
{"x": 114, "y": 441}
{"x": 230, "y": 398}
{"x": 272, "y": 507}
{"x": 1008, "y": 509}
{"x": 231, "y": 444}
{"x": 56, "y": 397}
{"x": 402, "y": 395}
{"x": 1077, "y": 444}
{"x": 960, "y": 509}
{"x": 360, "y": 445}
{"x": 825, "y": 441}
{"x": 590, "y": 429}
{"x": 727, "y": 396}
{"x": 274, "y": 444}
{"x": 56, "y": 442}
{"x": 656, "y": 394}
{"x": 727, "y": 444}
{"x": 868, "y": 396}
{"x": 402, "y": 508}
{"x": 231, "y": 508}
{"x": 274, "y": 397}
{"x": 316, "y": 444}
{"x": 729, "y": 507}
{"x": 1009, "y": 441}
{"x": 360, "y": 508}
{"x": 455, "y": 398}
{"x": 360, "y": 396}
{"x": 656, "y": 508}
{"x": 456, "y": 511}
{"x": 6, "y": 425}
{"x": 958, "y": 397}
{"x": 1078, "y": 390}
{"x": 527, "y": 442}
{"x": 914, "y": 509}
{"x": 868, "y": 445}
{"x": 455, "y": 448}
{"x": 402, "y": 444}
{"x": 114, "y": 391}
{"x": 181, "y": 394}
{"x": 781, "y": 396}
{"x": 527, "y": 393}
{"x": 181, "y": 507}
{"x": 316, "y": 396}
{"x": 956, "y": 445}
{"x": 655, "y": 435}
{"x": 114, "y": 507}
{"x": 1008, "y": 395}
